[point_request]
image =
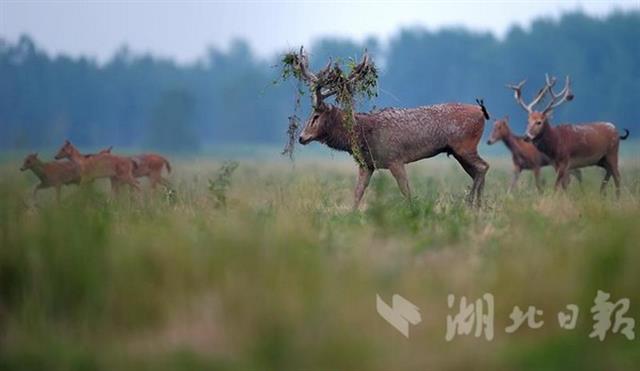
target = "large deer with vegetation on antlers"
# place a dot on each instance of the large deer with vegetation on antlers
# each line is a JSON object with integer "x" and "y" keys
{"x": 393, "y": 137}
{"x": 570, "y": 146}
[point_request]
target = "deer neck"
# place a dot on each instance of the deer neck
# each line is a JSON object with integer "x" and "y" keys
{"x": 338, "y": 136}
{"x": 38, "y": 169}
{"x": 547, "y": 140}
{"x": 510, "y": 141}
{"x": 77, "y": 157}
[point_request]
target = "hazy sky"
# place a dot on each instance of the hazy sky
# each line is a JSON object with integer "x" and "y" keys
{"x": 184, "y": 29}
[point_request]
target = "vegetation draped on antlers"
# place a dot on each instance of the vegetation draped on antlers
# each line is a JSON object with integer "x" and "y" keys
{"x": 556, "y": 99}
{"x": 361, "y": 81}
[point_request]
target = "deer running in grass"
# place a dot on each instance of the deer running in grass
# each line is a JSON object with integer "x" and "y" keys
{"x": 393, "y": 137}
{"x": 148, "y": 165}
{"x": 51, "y": 174}
{"x": 570, "y": 146}
{"x": 524, "y": 154}
{"x": 102, "y": 165}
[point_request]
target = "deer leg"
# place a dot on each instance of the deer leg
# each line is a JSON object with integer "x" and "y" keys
{"x": 364, "y": 176}
{"x": 605, "y": 181}
{"x": 577, "y": 174}
{"x": 476, "y": 167}
{"x": 561, "y": 172}
{"x": 115, "y": 185}
{"x": 612, "y": 166}
{"x": 398, "y": 171}
{"x": 514, "y": 179}
{"x": 536, "y": 176}
{"x": 165, "y": 182}
{"x": 132, "y": 182}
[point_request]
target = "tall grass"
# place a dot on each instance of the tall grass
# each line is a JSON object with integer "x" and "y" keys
{"x": 285, "y": 275}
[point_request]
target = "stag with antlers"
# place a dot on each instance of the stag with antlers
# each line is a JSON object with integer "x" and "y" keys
{"x": 570, "y": 146}
{"x": 393, "y": 137}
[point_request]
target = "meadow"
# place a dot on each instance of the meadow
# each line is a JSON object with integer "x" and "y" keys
{"x": 267, "y": 268}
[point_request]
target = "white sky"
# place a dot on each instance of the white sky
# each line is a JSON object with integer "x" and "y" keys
{"x": 184, "y": 29}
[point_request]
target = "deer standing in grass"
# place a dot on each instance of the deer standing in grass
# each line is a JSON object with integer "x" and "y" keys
{"x": 570, "y": 146}
{"x": 51, "y": 174}
{"x": 524, "y": 154}
{"x": 393, "y": 137}
{"x": 102, "y": 165}
{"x": 149, "y": 165}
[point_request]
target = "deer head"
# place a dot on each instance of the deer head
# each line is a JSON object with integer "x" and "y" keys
{"x": 67, "y": 150}
{"x": 500, "y": 130}
{"x": 323, "y": 84}
{"x": 538, "y": 121}
{"x": 30, "y": 161}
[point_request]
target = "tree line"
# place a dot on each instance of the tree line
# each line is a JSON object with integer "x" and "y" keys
{"x": 233, "y": 97}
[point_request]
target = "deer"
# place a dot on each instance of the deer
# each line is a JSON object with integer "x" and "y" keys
{"x": 570, "y": 146}
{"x": 51, "y": 174}
{"x": 102, "y": 165}
{"x": 148, "y": 165}
{"x": 393, "y": 137}
{"x": 524, "y": 154}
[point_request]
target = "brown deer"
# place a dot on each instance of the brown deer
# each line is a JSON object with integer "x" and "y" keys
{"x": 524, "y": 154}
{"x": 393, "y": 137}
{"x": 102, "y": 165}
{"x": 570, "y": 146}
{"x": 51, "y": 174}
{"x": 148, "y": 165}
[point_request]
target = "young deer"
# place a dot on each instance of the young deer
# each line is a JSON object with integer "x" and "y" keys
{"x": 524, "y": 154}
{"x": 51, "y": 174}
{"x": 148, "y": 165}
{"x": 102, "y": 165}
{"x": 393, "y": 137}
{"x": 571, "y": 146}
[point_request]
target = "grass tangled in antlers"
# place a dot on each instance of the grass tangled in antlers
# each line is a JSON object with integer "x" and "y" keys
{"x": 348, "y": 92}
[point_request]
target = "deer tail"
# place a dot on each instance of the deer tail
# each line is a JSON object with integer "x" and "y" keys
{"x": 626, "y": 135}
{"x": 168, "y": 166}
{"x": 483, "y": 108}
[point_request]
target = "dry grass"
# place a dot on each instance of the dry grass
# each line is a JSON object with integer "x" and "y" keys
{"x": 285, "y": 276}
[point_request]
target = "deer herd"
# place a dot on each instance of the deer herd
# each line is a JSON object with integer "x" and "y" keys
{"x": 391, "y": 138}
{"x": 82, "y": 169}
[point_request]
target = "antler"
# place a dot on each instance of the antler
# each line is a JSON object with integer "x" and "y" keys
{"x": 517, "y": 94}
{"x": 557, "y": 99}
{"x": 301, "y": 63}
{"x": 330, "y": 80}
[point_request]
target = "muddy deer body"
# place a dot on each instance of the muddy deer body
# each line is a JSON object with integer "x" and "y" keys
{"x": 393, "y": 137}
{"x": 524, "y": 154}
{"x": 571, "y": 146}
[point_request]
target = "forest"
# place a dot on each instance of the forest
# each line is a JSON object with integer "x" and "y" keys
{"x": 232, "y": 96}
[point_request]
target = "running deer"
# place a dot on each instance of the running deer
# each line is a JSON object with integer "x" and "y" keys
{"x": 393, "y": 137}
{"x": 149, "y": 165}
{"x": 102, "y": 165}
{"x": 570, "y": 146}
{"x": 51, "y": 174}
{"x": 524, "y": 154}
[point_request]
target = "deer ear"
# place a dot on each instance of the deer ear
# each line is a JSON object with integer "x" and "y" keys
{"x": 506, "y": 118}
{"x": 66, "y": 141}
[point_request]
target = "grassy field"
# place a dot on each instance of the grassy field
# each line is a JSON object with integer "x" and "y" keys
{"x": 274, "y": 272}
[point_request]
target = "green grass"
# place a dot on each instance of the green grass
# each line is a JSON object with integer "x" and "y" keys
{"x": 283, "y": 276}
